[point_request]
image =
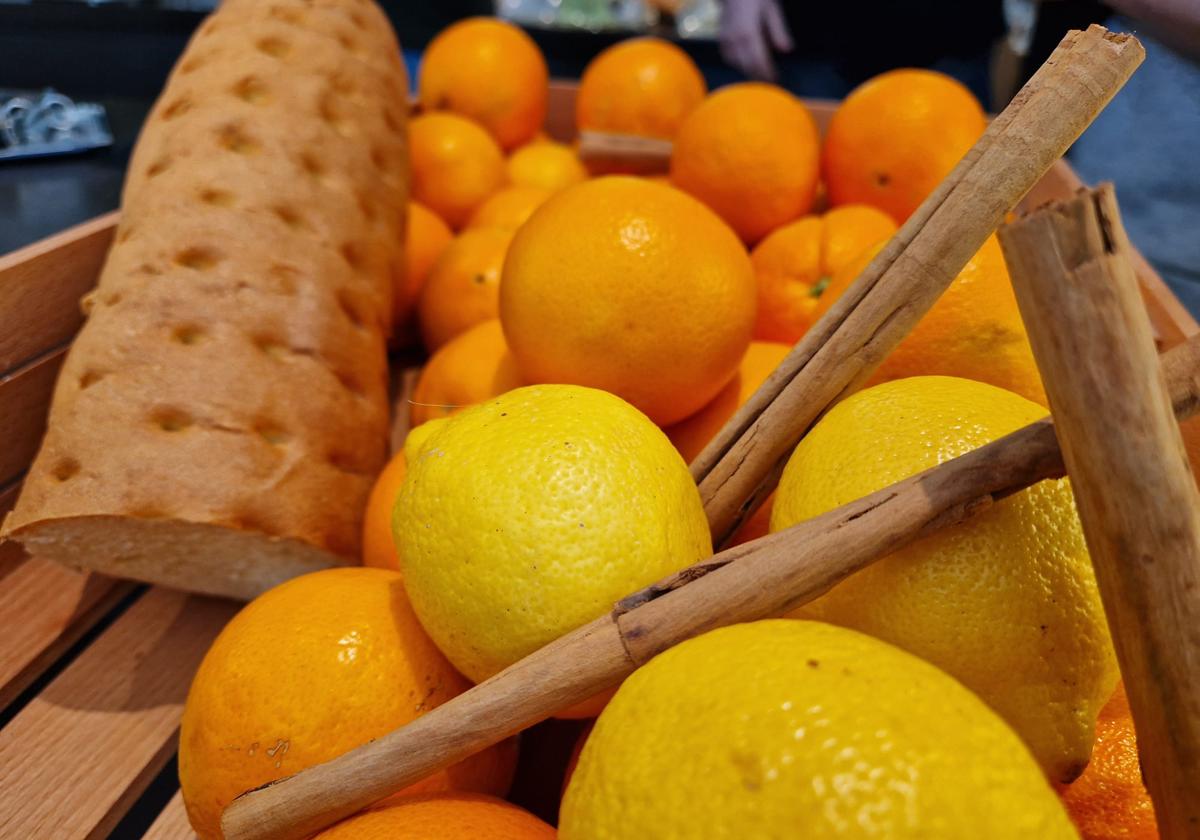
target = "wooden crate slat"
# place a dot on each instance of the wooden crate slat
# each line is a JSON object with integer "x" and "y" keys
{"x": 46, "y": 608}
{"x": 82, "y": 751}
{"x": 11, "y": 553}
{"x": 25, "y": 397}
{"x": 172, "y": 823}
{"x": 40, "y": 287}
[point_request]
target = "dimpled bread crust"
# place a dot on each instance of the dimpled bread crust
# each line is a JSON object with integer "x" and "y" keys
{"x": 223, "y": 412}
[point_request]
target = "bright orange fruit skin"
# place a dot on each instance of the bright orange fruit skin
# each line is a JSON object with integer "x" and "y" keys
{"x": 794, "y": 263}
{"x": 895, "y": 137}
{"x": 378, "y": 547}
{"x": 425, "y": 238}
{"x": 509, "y": 208}
{"x": 1109, "y": 801}
{"x": 629, "y": 286}
{"x": 463, "y": 288}
{"x": 545, "y": 164}
{"x": 442, "y": 817}
{"x": 305, "y": 672}
{"x": 973, "y": 331}
{"x": 474, "y": 366}
{"x": 490, "y": 71}
{"x": 750, "y": 152}
{"x": 455, "y": 165}
{"x": 641, "y": 86}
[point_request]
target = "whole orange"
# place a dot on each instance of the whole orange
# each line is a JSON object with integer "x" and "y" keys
{"x": 464, "y": 287}
{"x": 509, "y": 208}
{"x": 750, "y": 152}
{"x": 472, "y": 367}
{"x": 545, "y": 164}
{"x": 642, "y": 86}
{"x": 974, "y": 331}
{"x": 305, "y": 672}
{"x": 633, "y": 287}
{"x": 447, "y": 816}
{"x": 1109, "y": 801}
{"x": 378, "y": 547}
{"x": 455, "y": 165}
{"x": 895, "y": 137}
{"x": 424, "y": 240}
{"x": 795, "y": 263}
{"x": 490, "y": 71}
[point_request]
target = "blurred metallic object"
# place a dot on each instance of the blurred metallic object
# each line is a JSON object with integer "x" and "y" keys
{"x": 589, "y": 15}
{"x": 39, "y": 125}
{"x": 698, "y": 19}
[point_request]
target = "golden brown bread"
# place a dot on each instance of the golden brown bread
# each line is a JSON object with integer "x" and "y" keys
{"x": 222, "y": 414}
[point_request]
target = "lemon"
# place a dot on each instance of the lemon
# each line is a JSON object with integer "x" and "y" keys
{"x": 785, "y": 729}
{"x": 527, "y": 516}
{"x": 1007, "y": 603}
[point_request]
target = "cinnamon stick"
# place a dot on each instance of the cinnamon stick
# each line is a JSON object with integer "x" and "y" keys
{"x": 741, "y": 466}
{"x": 756, "y": 580}
{"x": 1138, "y": 503}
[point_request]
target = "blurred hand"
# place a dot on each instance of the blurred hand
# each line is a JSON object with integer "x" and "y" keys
{"x": 749, "y": 31}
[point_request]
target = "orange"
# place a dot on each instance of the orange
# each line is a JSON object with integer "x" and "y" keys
{"x": 425, "y": 238}
{"x": 750, "y": 152}
{"x": 490, "y": 71}
{"x": 378, "y": 548}
{"x": 1109, "y": 801}
{"x": 693, "y": 434}
{"x": 632, "y": 287}
{"x": 509, "y": 208}
{"x": 795, "y": 263}
{"x": 455, "y": 165}
{"x": 895, "y": 137}
{"x": 545, "y": 164}
{"x": 472, "y": 367}
{"x": 463, "y": 288}
{"x": 974, "y": 331}
{"x": 305, "y": 672}
{"x": 642, "y": 86}
{"x": 442, "y": 817}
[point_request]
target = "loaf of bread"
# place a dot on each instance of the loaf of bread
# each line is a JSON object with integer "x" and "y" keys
{"x": 219, "y": 421}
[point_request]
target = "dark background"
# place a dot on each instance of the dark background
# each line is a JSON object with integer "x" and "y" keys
{"x": 119, "y": 55}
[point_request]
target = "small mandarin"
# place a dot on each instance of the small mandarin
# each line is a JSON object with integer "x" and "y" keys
{"x": 750, "y": 152}
{"x": 546, "y": 165}
{"x": 463, "y": 288}
{"x": 641, "y": 86}
{"x": 426, "y": 237}
{"x": 795, "y": 263}
{"x": 895, "y": 137}
{"x": 509, "y": 208}
{"x": 490, "y": 71}
{"x": 378, "y": 548}
{"x": 472, "y": 367}
{"x": 456, "y": 165}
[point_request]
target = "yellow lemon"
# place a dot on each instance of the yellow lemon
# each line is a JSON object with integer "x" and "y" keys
{"x": 1007, "y": 602}
{"x": 533, "y": 513}
{"x": 781, "y": 729}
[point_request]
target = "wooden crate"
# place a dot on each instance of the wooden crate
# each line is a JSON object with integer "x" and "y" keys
{"x": 94, "y": 671}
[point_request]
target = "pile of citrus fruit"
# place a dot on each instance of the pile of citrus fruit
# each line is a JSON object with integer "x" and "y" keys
{"x": 588, "y": 333}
